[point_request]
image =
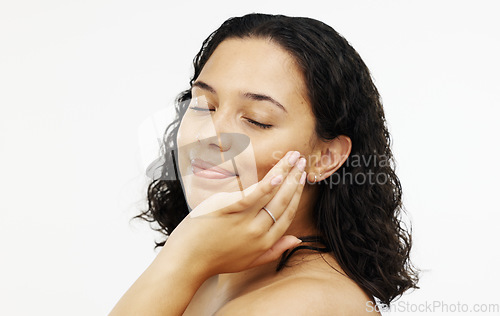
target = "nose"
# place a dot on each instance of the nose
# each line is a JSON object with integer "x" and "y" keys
{"x": 216, "y": 133}
{"x": 221, "y": 135}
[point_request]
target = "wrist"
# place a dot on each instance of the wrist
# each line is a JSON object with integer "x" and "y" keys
{"x": 177, "y": 266}
{"x": 165, "y": 288}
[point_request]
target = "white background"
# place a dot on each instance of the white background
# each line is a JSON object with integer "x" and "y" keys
{"x": 80, "y": 81}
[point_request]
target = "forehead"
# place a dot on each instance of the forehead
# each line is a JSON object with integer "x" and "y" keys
{"x": 255, "y": 65}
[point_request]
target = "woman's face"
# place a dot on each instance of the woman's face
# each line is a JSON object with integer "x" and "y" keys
{"x": 249, "y": 108}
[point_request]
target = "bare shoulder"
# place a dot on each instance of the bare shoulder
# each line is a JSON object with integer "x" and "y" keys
{"x": 302, "y": 296}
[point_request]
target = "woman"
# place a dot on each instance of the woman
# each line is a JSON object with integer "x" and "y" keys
{"x": 282, "y": 135}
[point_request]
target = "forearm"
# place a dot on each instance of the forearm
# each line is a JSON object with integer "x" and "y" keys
{"x": 165, "y": 288}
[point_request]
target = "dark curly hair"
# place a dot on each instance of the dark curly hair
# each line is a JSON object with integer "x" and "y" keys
{"x": 359, "y": 221}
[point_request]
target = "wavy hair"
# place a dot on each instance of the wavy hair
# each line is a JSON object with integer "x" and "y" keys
{"x": 359, "y": 220}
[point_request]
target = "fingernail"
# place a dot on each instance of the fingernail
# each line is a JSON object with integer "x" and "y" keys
{"x": 302, "y": 164}
{"x": 298, "y": 242}
{"x": 303, "y": 178}
{"x": 277, "y": 180}
{"x": 293, "y": 158}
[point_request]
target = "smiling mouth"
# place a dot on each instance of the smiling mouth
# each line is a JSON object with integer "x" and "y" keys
{"x": 208, "y": 170}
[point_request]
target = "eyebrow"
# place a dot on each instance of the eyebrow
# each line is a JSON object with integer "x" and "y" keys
{"x": 204, "y": 86}
{"x": 248, "y": 95}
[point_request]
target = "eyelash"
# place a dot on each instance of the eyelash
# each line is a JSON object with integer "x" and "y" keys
{"x": 260, "y": 125}
{"x": 263, "y": 126}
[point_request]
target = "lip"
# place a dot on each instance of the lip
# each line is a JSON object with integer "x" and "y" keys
{"x": 208, "y": 170}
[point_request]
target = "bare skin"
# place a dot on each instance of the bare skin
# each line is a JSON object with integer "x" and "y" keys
{"x": 237, "y": 66}
{"x": 200, "y": 271}
{"x": 310, "y": 286}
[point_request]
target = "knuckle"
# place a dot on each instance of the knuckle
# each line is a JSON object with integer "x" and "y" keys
{"x": 267, "y": 243}
{"x": 254, "y": 231}
{"x": 244, "y": 203}
{"x": 266, "y": 189}
{"x": 280, "y": 203}
{"x": 290, "y": 215}
{"x": 283, "y": 203}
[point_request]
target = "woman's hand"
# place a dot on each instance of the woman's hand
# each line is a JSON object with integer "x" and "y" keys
{"x": 228, "y": 233}
{"x": 222, "y": 234}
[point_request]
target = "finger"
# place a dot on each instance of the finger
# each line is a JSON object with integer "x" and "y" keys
{"x": 283, "y": 244}
{"x": 259, "y": 195}
{"x": 282, "y": 198}
{"x": 279, "y": 228}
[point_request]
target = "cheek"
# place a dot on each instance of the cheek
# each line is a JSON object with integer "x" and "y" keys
{"x": 266, "y": 159}
{"x": 271, "y": 151}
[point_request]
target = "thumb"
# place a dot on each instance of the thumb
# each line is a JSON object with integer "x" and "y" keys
{"x": 283, "y": 244}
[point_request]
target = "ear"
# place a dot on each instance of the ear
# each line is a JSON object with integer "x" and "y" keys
{"x": 328, "y": 158}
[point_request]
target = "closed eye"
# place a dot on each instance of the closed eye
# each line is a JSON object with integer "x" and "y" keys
{"x": 258, "y": 124}
{"x": 197, "y": 108}
{"x": 264, "y": 126}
